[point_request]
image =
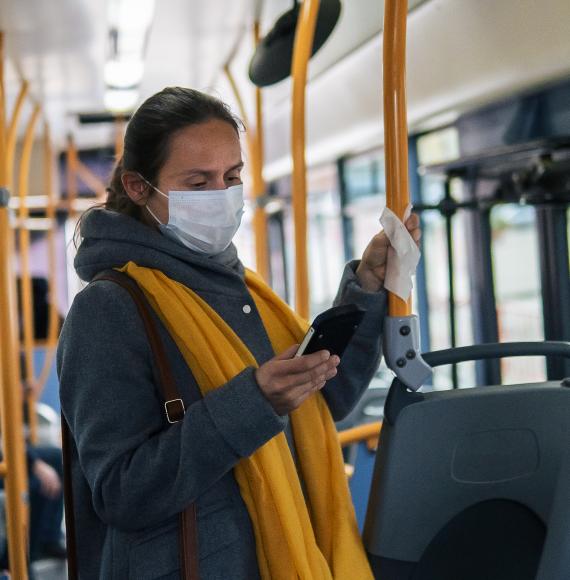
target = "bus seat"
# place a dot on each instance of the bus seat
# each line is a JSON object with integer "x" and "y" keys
{"x": 555, "y": 561}
{"x": 465, "y": 480}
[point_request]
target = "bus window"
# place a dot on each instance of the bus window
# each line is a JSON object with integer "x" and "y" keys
{"x": 435, "y": 245}
{"x": 365, "y": 195}
{"x": 325, "y": 243}
{"x": 517, "y": 287}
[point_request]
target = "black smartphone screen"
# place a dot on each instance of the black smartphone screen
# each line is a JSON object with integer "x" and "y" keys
{"x": 332, "y": 330}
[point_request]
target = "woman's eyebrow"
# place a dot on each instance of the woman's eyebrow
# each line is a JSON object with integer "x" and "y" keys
{"x": 198, "y": 171}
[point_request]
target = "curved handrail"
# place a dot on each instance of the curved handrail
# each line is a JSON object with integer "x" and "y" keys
{"x": 366, "y": 432}
{"x": 53, "y": 319}
{"x": 26, "y": 291}
{"x": 254, "y": 138}
{"x": 496, "y": 350}
{"x": 13, "y": 467}
{"x": 13, "y": 133}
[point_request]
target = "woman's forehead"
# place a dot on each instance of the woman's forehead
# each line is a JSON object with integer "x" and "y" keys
{"x": 205, "y": 143}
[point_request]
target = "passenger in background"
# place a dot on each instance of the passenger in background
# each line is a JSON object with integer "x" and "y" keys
{"x": 45, "y": 474}
{"x": 257, "y": 448}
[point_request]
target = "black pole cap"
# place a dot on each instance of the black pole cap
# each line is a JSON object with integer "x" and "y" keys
{"x": 273, "y": 56}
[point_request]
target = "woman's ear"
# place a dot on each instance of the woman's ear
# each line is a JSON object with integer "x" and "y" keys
{"x": 136, "y": 187}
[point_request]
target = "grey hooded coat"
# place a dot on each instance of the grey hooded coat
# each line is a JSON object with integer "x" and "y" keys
{"x": 132, "y": 471}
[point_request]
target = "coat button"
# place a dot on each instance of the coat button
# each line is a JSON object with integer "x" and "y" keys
{"x": 246, "y": 308}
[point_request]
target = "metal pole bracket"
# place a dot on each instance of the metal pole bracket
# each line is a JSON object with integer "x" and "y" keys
{"x": 402, "y": 350}
{"x": 4, "y": 196}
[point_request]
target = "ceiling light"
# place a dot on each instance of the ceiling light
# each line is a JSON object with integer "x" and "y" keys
{"x": 123, "y": 74}
{"x": 121, "y": 100}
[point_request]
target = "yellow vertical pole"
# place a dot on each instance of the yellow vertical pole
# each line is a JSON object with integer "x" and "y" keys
{"x": 53, "y": 318}
{"x": 258, "y": 184}
{"x": 11, "y": 416}
{"x": 254, "y": 137}
{"x": 26, "y": 290}
{"x": 302, "y": 49}
{"x": 119, "y": 137}
{"x": 13, "y": 132}
{"x": 395, "y": 122}
{"x": 72, "y": 190}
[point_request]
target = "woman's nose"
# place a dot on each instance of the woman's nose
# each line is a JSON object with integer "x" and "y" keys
{"x": 219, "y": 183}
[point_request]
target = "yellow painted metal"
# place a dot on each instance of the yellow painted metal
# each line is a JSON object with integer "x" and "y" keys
{"x": 90, "y": 179}
{"x": 364, "y": 432}
{"x": 302, "y": 49}
{"x": 120, "y": 124}
{"x": 11, "y": 415}
{"x": 26, "y": 291}
{"x": 258, "y": 183}
{"x": 237, "y": 95}
{"x": 13, "y": 133}
{"x": 53, "y": 317}
{"x": 72, "y": 190}
{"x": 254, "y": 138}
{"x": 395, "y": 122}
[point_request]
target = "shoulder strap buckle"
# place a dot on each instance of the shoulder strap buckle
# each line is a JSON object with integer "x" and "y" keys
{"x": 176, "y": 414}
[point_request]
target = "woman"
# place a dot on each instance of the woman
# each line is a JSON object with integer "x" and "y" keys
{"x": 173, "y": 206}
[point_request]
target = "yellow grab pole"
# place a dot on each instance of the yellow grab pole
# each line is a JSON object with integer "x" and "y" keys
{"x": 239, "y": 100}
{"x": 26, "y": 290}
{"x": 254, "y": 138}
{"x": 13, "y": 132}
{"x": 395, "y": 122}
{"x": 53, "y": 319}
{"x": 258, "y": 184}
{"x": 302, "y": 49}
{"x": 363, "y": 432}
{"x": 120, "y": 123}
{"x": 11, "y": 416}
{"x": 71, "y": 178}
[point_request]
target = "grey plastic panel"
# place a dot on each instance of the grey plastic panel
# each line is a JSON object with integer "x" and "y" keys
{"x": 426, "y": 469}
{"x": 555, "y": 563}
{"x": 402, "y": 350}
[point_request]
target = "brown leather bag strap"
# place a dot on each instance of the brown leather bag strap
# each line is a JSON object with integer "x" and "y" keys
{"x": 174, "y": 409}
{"x": 173, "y": 404}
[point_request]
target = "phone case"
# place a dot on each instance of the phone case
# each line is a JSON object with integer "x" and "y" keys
{"x": 332, "y": 330}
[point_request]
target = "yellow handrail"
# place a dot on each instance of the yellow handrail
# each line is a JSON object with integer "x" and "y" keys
{"x": 13, "y": 133}
{"x": 11, "y": 416}
{"x": 258, "y": 184}
{"x": 120, "y": 123}
{"x": 366, "y": 432}
{"x": 395, "y": 122}
{"x": 72, "y": 190}
{"x": 254, "y": 140}
{"x": 53, "y": 319}
{"x": 26, "y": 291}
{"x": 304, "y": 35}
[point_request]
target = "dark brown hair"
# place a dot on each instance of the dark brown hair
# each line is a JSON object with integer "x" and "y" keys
{"x": 148, "y": 137}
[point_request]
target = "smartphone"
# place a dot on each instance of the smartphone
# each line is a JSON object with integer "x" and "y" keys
{"x": 332, "y": 330}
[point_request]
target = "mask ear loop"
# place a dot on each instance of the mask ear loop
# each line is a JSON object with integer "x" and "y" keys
{"x": 146, "y": 205}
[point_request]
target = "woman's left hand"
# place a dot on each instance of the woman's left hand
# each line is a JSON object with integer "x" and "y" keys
{"x": 372, "y": 269}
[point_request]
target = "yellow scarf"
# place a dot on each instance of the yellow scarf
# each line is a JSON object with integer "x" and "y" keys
{"x": 317, "y": 540}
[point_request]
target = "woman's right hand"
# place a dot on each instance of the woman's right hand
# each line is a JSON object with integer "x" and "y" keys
{"x": 287, "y": 381}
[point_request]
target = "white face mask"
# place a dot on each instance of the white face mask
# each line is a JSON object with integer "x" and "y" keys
{"x": 203, "y": 220}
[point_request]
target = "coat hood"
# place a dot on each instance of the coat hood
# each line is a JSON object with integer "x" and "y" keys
{"x": 110, "y": 240}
